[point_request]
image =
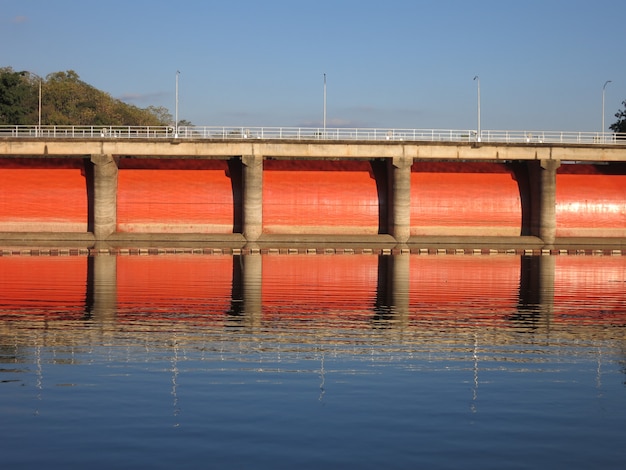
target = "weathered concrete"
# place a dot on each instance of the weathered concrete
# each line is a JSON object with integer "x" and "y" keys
{"x": 400, "y": 174}
{"x": 104, "y": 195}
{"x": 547, "y": 214}
{"x": 206, "y": 148}
{"x": 252, "y": 197}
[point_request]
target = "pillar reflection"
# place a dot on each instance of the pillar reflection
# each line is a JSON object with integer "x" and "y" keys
{"x": 246, "y": 289}
{"x": 536, "y": 291}
{"x": 101, "y": 297}
{"x": 391, "y": 308}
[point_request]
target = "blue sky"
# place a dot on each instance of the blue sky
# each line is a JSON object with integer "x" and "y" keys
{"x": 400, "y": 63}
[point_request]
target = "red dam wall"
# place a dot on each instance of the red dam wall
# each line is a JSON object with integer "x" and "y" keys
{"x": 591, "y": 200}
{"x": 174, "y": 196}
{"x": 319, "y": 197}
{"x": 464, "y": 199}
{"x": 43, "y": 195}
{"x": 310, "y": 197}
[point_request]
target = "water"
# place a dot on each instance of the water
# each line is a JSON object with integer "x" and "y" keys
{"x": 313, "y": 361}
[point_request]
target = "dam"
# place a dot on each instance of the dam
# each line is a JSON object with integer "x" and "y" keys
{"x": 240, "y": 185}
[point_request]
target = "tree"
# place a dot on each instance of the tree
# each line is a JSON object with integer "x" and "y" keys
{"x": 161, "y": 114}
{"x": 18, "y": 98}
{"x": 620, "y": 125}
{"x": 67, "y": 100}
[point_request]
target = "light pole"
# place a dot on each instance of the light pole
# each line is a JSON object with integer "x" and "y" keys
{"x": 176, "y": 112}
{"x": 38, "y": 130}
{"x": 324, "y": 120}
{"x": 477, "y": 78}
{"x": 39, "y": 110}
{"x": 603, "y": 90}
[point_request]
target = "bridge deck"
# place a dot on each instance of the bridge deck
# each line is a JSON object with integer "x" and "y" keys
{"x": 285, "y": 148}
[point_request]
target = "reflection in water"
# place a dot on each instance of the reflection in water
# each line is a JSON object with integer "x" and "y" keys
{"x": 320, "y": 294}
{"x": 314, "y": 304}
{"x": 175, "y": 372}
{"x": 536, "y": 292}
{"x": 415, "y": 359}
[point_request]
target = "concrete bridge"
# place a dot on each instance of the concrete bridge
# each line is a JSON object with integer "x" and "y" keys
{"x": 399, "y": 164}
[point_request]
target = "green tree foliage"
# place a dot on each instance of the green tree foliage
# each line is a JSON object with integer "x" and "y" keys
{"x": 67, "y": 100}
{"x": 620, "y": 125}
{"x": 15, "y": 97}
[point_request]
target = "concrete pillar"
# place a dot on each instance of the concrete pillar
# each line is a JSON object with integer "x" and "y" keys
{"x": 252, "y": 196}
{"x": 547, "y": 210}
{"x": 104, "y": 196}
{"x": 401, "y": 199}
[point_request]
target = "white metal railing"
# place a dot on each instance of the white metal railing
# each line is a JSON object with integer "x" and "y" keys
{"x": 312, "y": 133}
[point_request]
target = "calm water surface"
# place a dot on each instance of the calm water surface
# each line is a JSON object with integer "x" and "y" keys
{"x": 313, "y": 361}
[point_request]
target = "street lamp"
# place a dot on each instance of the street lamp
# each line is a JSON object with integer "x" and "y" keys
{"x": 39, "y": 110}
{"x": 603, "y": 90}
{"x": 324, "y": 121}
{"x": 477, "y": 78}
{"x": 38, "y": 130}
{"x": 176, "y": 118}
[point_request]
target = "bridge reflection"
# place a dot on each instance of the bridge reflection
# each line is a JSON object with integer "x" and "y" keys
{"x": 357, "y": 291}
{"x": 400, "y": 292}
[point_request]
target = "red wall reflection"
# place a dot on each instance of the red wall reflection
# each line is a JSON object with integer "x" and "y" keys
{"x": 483, "y": 289}
{"x": 42, "y": 287}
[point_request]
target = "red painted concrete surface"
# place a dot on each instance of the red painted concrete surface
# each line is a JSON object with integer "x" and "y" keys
{"x": 39, "y": 195}
{"x": 180, "y": 196}
{"x": 307, "y": 197}
{"x": 481, "y": 198}
{"x": 319, "y": 197}
{"x": 590, "y": 202}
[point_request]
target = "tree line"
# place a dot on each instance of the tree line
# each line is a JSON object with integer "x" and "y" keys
{"x": 67, "y": 100}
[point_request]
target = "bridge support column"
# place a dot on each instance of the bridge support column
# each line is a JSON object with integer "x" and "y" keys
{"x": 252, "y": 196}
{"x": 400, "y": 173}
{"x": 547, "y": 202}
{"x": 104, "y": 195}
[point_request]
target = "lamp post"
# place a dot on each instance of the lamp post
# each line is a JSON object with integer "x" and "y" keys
{"x": 603, "y": 90}
{"x": 477, "y": 78}
{"x": 324, "y": 120}
{"x": 176, "y": 117}
{"x": 38, "y": 129}
{"x": 39, "y": 111}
